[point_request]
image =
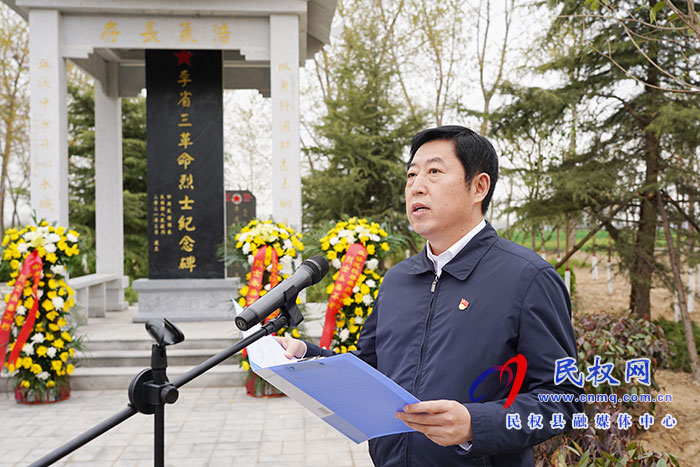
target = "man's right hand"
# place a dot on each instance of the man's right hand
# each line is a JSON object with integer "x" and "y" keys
{"x": 293, "y": 348}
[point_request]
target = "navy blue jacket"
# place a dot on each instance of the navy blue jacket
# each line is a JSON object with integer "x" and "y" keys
{"x": 419, "y": 337}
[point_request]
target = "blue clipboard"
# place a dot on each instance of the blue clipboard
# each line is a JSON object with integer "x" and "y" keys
{"x": 345, "y": 392}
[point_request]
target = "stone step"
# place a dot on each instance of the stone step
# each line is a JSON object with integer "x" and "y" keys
{"x": 92, "y": 379}
{"x": 120, "y": 377}
{"x": 145, "y": 343}
{"x": 142, "y": 357}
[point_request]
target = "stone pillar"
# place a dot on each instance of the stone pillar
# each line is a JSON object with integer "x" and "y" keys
{"x": 284, "y": 83}
{"x": 109, "y": 192}
{"x": 49, "y": 120}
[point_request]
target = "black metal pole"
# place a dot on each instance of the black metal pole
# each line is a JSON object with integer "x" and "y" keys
{"x": 272, "y": 326}
{"x": 159, "y": 436}
{"x": 86, "y": 437}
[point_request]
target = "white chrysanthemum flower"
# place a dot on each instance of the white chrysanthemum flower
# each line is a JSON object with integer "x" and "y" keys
{"x": 58, "y": 270}
{"x": 351, "y": 239}
{"x": 370, "y": 283}
{"x": 286, "y": 262}
{"x": 23, "y": 247}
{"x": 372, "y": 264}
{"x": 40, "y": 293}
{"x": 50, "y": 248}
{"x": 344, "y": 233}
{"x": 21, "y": 310}
{"x": 71, "y": 238}
{"x": 38, "y": 338}
{"x": 355, "y": 289}
{"x": 43, "y": 375}
{"x": 267, "y": 287}
{"x": 251, "y": 258}
{"x": 358, "y": 320}
{"x": 336, "y": 263}
{"x": 334, "y": 241}
{"x": 344, "y": 334}
{"x": 53, "y": 238}
{"x": 58, "y": 302}
{"x": 246, "y": 248}
{"x": 367, "y": 299}
{"x": 375, "y": 237}
{"x": 28, "y": 349}
{"x": 51, "y": 352}
{"x": 287, "y": 244}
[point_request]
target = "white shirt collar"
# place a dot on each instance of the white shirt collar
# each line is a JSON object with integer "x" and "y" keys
{"x": 446, "y": 256}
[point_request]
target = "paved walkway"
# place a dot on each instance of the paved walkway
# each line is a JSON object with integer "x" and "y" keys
{"x": 206, "y": 426}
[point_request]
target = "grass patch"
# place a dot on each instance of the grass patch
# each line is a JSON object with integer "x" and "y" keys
{"x": 678, "y": 360}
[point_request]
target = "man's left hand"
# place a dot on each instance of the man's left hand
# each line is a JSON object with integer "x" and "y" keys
{"x": 444, "y": 422}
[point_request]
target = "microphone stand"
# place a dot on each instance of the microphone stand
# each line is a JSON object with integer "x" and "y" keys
{"x": 150, "y": 390}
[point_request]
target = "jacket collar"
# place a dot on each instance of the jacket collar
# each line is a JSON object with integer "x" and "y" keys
{"x": 466, "y": 260}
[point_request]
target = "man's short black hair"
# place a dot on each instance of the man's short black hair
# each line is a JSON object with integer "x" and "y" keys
{"x": 475, "y": 152}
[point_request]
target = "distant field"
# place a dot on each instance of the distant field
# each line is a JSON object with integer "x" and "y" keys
{"x": 601, "y": 240}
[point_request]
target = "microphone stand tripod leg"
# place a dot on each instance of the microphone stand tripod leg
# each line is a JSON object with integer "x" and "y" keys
{"x": 159, "y": 436}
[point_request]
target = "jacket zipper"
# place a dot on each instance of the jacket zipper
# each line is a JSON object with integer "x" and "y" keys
{"x": 416, "y": 381}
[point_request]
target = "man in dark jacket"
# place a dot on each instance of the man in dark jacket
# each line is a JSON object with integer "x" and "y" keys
{"x": 448, "y": 321}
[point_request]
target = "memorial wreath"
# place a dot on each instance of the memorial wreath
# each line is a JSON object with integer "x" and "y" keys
{"x": 270, "y": 250}
{"x": 37, "y": 334}
{"x": 355, "y": 249}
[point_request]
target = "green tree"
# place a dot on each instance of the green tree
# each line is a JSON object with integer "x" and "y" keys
{"x": 135, "y": 187}
{"x": 81, "y": 121}
{"x": 14, "y": 112}
{"x": 360, "y": 169}
{"x": 628, "y": 138}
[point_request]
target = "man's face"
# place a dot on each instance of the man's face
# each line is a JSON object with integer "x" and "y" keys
{"x": 439, "y": 204}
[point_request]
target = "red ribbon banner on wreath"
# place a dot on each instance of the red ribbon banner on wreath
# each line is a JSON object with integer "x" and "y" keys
{"x": 255, "y": 283}
{"x": 30, "y": 268}
{"x": 266, "y": 254}
{"x": 350, "y": 271}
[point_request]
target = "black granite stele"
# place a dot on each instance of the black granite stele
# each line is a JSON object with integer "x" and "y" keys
{"x": 185, "y": 163}
{"x": 240, "y": 209}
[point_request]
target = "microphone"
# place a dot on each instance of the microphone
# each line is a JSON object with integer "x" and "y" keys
{"x": 309, "y": 273}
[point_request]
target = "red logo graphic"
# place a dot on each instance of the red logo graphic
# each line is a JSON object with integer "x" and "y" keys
{"x": 463, "y": 304}
{"x": 521, "y": 367}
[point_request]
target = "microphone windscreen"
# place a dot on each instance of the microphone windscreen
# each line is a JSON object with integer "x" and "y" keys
{"x": 318, "y": 266}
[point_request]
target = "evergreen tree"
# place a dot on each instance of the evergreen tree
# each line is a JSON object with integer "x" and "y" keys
{"x": 363, "y": 135}
{"x": 628, "y": 138}
{"x": 135, "y": 189}
{"x": 81, "y": 149}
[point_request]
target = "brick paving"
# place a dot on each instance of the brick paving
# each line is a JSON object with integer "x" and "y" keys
{"x": 206, "y": 426}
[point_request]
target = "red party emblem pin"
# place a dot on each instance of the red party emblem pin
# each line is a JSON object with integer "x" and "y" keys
{"x": 463, "y": 304}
